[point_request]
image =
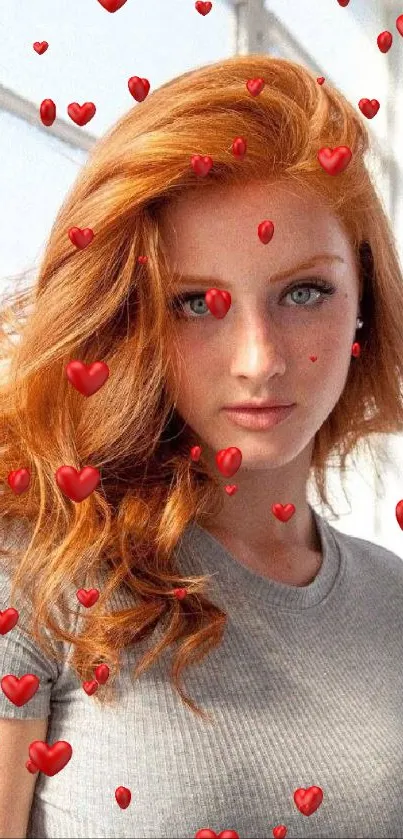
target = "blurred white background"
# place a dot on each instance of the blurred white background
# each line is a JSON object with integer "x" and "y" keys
{"x": 92, "y": 54}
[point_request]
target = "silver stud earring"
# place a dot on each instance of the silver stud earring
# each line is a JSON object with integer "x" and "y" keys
{"x": 360, "y": 323}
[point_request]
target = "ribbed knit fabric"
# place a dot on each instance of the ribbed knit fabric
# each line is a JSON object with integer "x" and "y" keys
{"x": 305, "y": 690}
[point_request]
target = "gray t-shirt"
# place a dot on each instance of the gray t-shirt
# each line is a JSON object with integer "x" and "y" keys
{"x": 305, "y": 690}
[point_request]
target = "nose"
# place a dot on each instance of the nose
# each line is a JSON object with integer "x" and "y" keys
{"x": 257, "y": 350}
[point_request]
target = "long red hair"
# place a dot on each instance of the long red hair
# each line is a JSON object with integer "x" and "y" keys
{"x": 101, "y": 304}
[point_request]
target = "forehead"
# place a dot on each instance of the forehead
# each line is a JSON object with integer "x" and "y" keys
{"x": 213, "y": 223}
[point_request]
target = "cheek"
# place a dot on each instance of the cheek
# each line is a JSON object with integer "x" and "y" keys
{"x": 193, "y": 368}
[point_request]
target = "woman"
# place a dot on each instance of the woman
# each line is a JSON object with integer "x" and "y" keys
{"x": 197, "y": 540}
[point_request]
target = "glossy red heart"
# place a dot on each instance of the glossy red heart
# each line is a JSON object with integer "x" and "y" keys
{"x": 142, "y": 260}
{"x": 399, "y": 513}
{"x": 207, "y": 833}
{"x": 255, "y": 86}
{"x": 90, "y": 687}
{"x": 195, "y": 453}
{"x": 336, "y": 160}
{"x": 81, "y": 114}
{"x": 50, "y": 759}
{"x": 313, "y": 357}
{"x": 88, "y": 597}
{"x": 239, "y": 147}
{"x": 87, "y": 378}
{"x": 265, "y": 231}
{"x": 123, "y": 797}
{"x": 139, "y": 88}
{"x": 320, "y": 79}
{"x": 356, "y": 349}
{"x": 283, "y": 512}
{"x": 218, "y": 301}
{"x": 399, "y": 24}
{"x": 384, "y": 41}
{"x": 81, "y": 238}
{"x": 112, "y": 5}
{"x": 201, "y": 165}
{"x": 8, "y": 620}
{"x": 369, "y": 107}
{"x": 47, "y": 112}
{"x": 229, "y": 461}
{"x": 77, "y": 484}
{"x": 19, "y": 480}
{"x": 203, "y": 8}
{"x": 20, "y": 690}
{"x": 31, "y": 767}
{"x": 280, "y": 832}
{"x": 101, "y": 673}
{"x": 180, "y": 593}
{"x": 308, "y": 800}
{"x": 40, "y": 47}
{"x": 231, "y": 489}
{"x": 343, "y": 3}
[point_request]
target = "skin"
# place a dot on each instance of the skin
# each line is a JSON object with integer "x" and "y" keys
{"x": 261, "y": 349}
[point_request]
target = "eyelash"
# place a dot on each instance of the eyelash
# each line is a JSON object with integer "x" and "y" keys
{"x": 320, "y": 285}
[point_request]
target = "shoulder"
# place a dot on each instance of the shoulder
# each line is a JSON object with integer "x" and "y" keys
{"x": 373, "y": 556}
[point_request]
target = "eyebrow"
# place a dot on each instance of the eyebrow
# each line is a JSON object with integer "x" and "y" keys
{"x": 196, "y": 279}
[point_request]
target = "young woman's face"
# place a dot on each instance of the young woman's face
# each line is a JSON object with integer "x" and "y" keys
{"x": 263, "y": 346}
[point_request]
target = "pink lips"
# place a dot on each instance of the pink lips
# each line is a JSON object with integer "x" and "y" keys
{"x": 258, "y": 419}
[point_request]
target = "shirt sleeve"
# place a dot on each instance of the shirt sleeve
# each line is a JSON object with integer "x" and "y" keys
{"x": 19, "y": 655}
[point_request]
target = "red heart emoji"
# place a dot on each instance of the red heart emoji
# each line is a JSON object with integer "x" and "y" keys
{"x": 384, "y": 41}
{"x": 90, "y": 687}
{"x": 313, "y": 357}
{"x": 77, "y": 484}
{"x": 139, "y": 88}
{"x": 356, "y": 349}
{"x": 81, "y": 238}
{"x": 101, "y": 673}
{"x": 308, "y": 800}
{"x": 399, "y": 24}
{"x": 8, "y": 620}
{"x": 19, "y": 480}
{"x": 231, "y": 489}
{"x": 218, "y": 301}
{"x": 20, "y": 690}
{"x": 255, "y": 86}
{"x": 399, "y": 513}
{"x": 81, "y": 114}
{"x": 207, "y": 833}
{"x": 320, "y": 79}
{"x": 201, "y": 165}
{"x": 239, "y": 147}
{"x": 112, "y": 5}
{"x": 123, "y": 797}
{"x": 87, "y": 378}
{"x": 203, "y": 8}
{"x": 265, "y": 231}
{"x": 280, "y": 832}
{"x": 47, "y": 112}
{"x": 88, "y": 597}
{"x": 40, "y": 47}
{"x": 50, "y": 759}
{"x": 335, "y": 160}
{"x": 343, "y": 3}
{"x": 283, "y": 512}
{"x": 180, "y": 593}
{"x": 195, "y": 452}
{"x": 31, "y": 767}
{"x": 369, "y": 107}
{"x": 229, "y": 461}
{"x": 142, "y": 260}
